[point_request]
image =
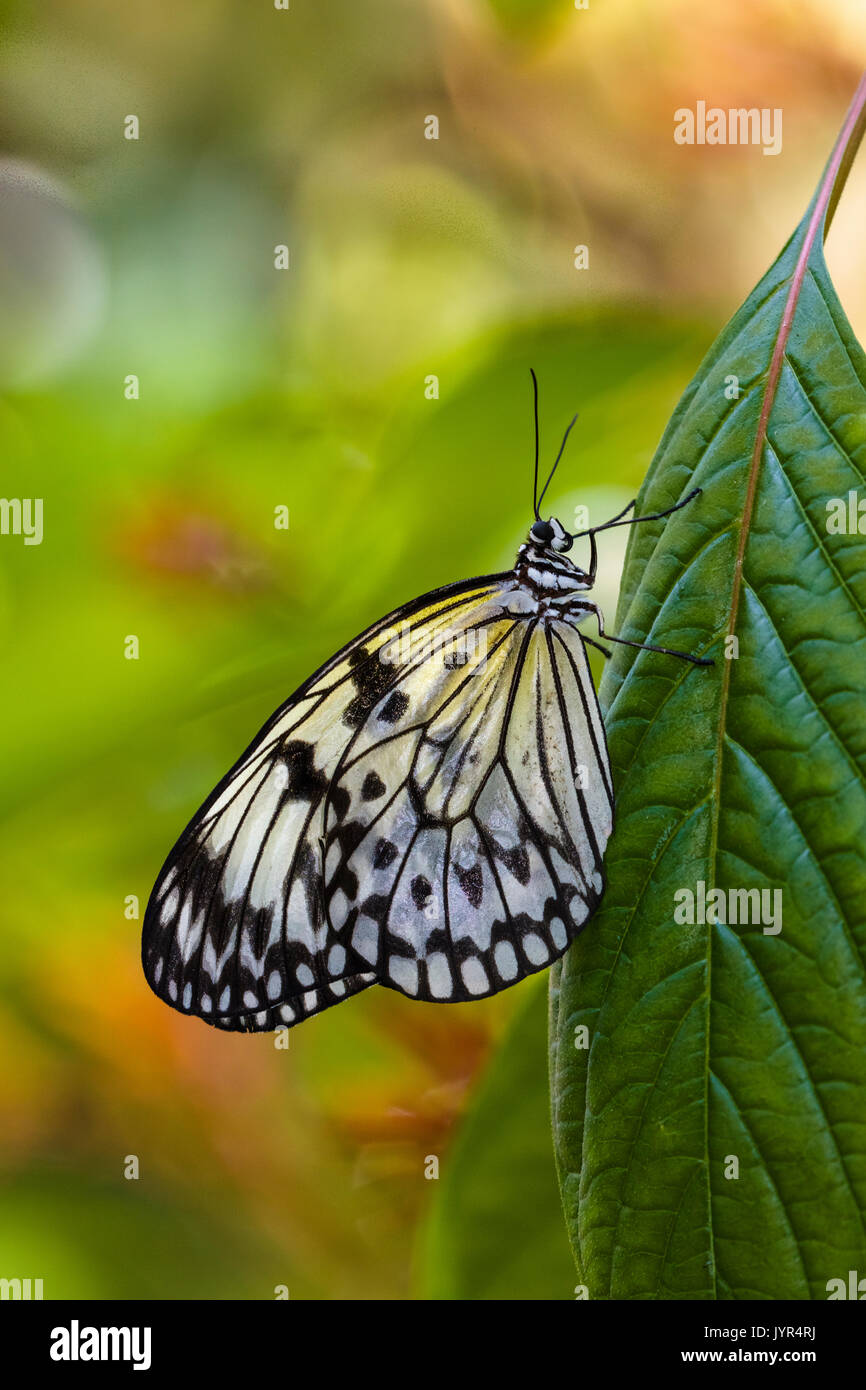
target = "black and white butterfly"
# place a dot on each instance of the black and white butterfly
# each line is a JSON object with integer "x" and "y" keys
{"x": 429, "y": 811}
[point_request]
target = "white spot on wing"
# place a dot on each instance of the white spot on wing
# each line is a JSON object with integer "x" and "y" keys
{"x": 439, "y": 975}
{"x": 536, "y": 950}
{"x": 365, "y": 939}
{"x": 506, "y": 960}
{"x": 336, "y": 959}
{"x": 404, "y": 973}
{"x": 338, "y": 909}
{"x": 169, "y": 907}
{"x": 474, "y": 976}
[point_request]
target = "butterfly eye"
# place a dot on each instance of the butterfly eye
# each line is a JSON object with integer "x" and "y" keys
{"x": 542, "y": 532}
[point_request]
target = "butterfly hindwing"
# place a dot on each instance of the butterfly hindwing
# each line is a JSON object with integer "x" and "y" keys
{"x": 464, "y": 846}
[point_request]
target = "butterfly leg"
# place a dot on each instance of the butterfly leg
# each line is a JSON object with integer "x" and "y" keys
{"x": 667, "y": 651}
{"x": 652, "y": 516}
{"x": 619, "y": 515}
{"x": 614, "y": 521}
{"x": 651, "y": 647}
{"x": 599, "y": 648}
{"x": 631, "y": 521}
{"x": 587, "y": 606}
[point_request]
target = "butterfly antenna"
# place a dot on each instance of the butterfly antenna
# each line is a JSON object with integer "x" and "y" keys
{"x": 535, "y": 405}
{"x": 555, "y": 464}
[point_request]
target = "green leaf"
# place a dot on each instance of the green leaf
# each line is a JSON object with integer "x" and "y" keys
{"x": 720, "y": 1041}
{"x": 495, "y": 1228}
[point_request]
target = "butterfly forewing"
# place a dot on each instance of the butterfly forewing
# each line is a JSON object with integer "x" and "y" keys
{"x": 429, "y": 812}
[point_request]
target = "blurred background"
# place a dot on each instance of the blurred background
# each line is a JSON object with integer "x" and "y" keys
{"x": 378, "y": 388}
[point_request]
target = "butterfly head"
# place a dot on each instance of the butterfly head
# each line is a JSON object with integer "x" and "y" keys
{"x": 550, "y": 535}
{"x": 542, "y": 565}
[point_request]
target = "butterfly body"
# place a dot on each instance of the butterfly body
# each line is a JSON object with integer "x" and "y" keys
{"x": 554, "y": 581}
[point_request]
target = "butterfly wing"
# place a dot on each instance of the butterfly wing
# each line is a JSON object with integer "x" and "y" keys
{"x": 235, "y": 930}
{"x": 428, "y": 811}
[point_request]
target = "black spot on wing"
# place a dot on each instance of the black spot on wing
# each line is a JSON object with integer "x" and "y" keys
{"x": 385, "y": 853}
{"x": 394, "y": 708}
{"x": 372, "y": 787}
{"x": 305, "y": 782}
{"x": 516, "y": 862}
{"x": 377, "y": 906}
{"x": 472, "y": 883}
{"x": 371, "y": 678}
{"x": 421, "y": 890}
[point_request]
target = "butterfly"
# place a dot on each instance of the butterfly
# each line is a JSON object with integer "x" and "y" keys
{"x": 429, "y": 811}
